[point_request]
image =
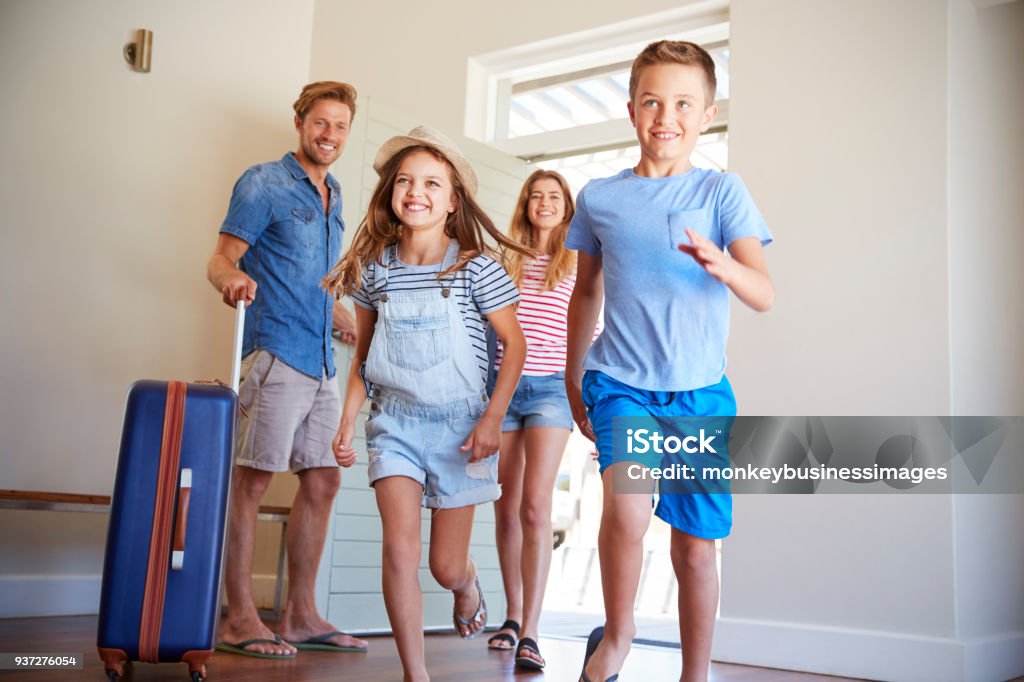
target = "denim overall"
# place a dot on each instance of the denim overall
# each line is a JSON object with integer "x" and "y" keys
{"x": 423, "y": 378}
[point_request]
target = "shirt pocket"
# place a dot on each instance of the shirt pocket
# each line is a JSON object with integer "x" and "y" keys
{"x": 306, "y": 226}
{"x": 418, "y": 343}
{"x": 700, "y": 220}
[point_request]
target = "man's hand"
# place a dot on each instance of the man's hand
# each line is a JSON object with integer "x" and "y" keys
{"x": 238, "y": 287}
{"x": 344, "y": 324}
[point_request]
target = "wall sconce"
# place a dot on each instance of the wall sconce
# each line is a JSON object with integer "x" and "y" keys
{"x": 140, "y": 53}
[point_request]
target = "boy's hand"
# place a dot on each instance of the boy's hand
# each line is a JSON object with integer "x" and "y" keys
{"x": 484, "y": 440}
{"x": 714, "y": 261}
{"x": 579, "y": 410}
{"x": 344, "y": 454}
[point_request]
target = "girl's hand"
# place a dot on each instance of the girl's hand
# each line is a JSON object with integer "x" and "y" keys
{"x": 714, "y": 261}
{"x": 484, "y": 440}
{"x": 344, "y": 455}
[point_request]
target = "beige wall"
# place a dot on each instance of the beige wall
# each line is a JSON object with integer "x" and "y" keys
{"x": 114, "y": 186}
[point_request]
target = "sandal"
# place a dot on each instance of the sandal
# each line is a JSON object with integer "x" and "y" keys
{"x": 505, "y": 637}
{"x": 535, "y": 662}
{"x": 592, "y": 643}
{"x": 479, "y": 618}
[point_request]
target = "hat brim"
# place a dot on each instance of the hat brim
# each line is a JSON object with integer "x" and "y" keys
{"x": 396, "y": 144}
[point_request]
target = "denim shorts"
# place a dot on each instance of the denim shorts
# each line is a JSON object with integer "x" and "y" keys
{"x": 704, "y": 515}
{"x": 422, "y": 442}
{"x": 539, "y": 401}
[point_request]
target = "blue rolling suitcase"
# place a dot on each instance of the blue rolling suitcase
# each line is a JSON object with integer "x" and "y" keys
{"x": 162, "y": 569}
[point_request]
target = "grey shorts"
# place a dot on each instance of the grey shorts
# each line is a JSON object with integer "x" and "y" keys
{"x": 290, "y": 418}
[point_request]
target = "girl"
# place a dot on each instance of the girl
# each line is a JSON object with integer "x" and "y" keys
{"x": 423, "y": 281}
{"x": 539, "y": 421}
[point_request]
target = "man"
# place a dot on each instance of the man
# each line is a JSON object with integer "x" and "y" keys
{"x": 281, "y": 235}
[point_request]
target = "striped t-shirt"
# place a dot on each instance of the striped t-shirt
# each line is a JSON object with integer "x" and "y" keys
{"x": 481, "y": 287}
{"x": 542, "y": 315}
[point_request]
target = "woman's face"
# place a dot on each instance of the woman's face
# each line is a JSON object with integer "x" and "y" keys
{"x": 545, "y": 205}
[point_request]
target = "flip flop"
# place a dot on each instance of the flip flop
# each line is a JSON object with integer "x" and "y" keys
{"x": 596, "y": 635}
{"x": 322, "y": 643}
{"x": 505, "y": 637}
{"x": 239, "y": 649}
{"x": 527, "y": 662}
{"x": 480, "y": 616}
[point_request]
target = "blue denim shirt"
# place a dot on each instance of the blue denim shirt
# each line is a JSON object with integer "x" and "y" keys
{"x": 277, "y": 210}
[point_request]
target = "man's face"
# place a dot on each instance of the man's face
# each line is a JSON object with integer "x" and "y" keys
{"x": 669, "y": 111}
{"x": 324, "y": 131}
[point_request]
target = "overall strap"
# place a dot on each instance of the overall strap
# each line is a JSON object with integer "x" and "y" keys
{"x": 451, "y": 256}
{"x": 380, "y": 270}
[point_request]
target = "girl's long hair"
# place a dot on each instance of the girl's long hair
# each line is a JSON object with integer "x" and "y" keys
{"x": 563, "y": 261}
{"x": 468, "y": 225}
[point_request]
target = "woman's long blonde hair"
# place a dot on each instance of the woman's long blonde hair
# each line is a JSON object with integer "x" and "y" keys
{"x": 563, "y": 261}
{"x": 381, "y": 228}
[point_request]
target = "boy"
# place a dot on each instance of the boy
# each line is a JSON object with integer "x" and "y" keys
{"x": 655, "y": 237}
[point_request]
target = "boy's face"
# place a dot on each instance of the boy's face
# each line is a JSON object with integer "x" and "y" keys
{"x": 669, "y": 113}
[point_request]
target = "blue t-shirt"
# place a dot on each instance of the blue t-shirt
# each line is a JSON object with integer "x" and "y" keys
{"x": 278, "y": 211}
{"x": 666, "y": 319}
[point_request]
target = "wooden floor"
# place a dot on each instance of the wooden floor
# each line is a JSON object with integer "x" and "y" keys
{"x": 448, "y": 658}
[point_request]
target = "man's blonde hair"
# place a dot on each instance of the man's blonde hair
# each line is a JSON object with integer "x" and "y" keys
{"x": 339, "y": 92}
{"x": 675, "y": 52}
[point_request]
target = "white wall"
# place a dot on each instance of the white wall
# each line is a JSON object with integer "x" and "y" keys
{"x": 414, "y": 57}
{"x": 986, "y": 207}
{"x": 114, "y": 185}
{"x": 845, "y": 122}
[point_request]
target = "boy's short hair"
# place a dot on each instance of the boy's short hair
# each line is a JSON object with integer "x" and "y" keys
{"x": 339, "y": 92}
{"x": 675, "y": 52}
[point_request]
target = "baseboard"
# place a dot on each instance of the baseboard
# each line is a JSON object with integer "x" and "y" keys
{"x": 995, "y": 658}
{"x": 31, "y": 596}
{"x": 867, "y": 654}
{"x": 25, "y": 596}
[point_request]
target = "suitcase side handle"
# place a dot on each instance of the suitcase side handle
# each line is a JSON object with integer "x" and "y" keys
{"x": 181, "y": 520}
{"x": 236, "y": 358}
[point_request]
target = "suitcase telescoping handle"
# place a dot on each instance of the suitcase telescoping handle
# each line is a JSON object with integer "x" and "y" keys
{"x": 185, "y": 480}
{"x": 236, "y": 358}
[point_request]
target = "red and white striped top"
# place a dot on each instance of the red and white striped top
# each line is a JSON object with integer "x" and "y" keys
{"x": 542, "y": 314}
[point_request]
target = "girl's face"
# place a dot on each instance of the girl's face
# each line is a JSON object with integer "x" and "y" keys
{"x": 423, "y": 194}
{"x": 545, "y": 206}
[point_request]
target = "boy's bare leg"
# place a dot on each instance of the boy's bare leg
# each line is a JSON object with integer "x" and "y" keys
{"x": 450, "y": 563}
{"x": 696, "y": 567}
{"x": 307, "y": 532}
{"x": 545, "y": 446}
{"x": 620, "y": 545}
{"x": 243, "y": 622}
{"x": 399, "y": 499}
{"x": 508, "y": 528}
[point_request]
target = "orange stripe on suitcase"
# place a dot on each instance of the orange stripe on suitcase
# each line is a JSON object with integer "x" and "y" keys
{"x": 163, "y": 523}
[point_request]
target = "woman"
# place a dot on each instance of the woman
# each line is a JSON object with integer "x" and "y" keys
{"x": 538, "y": 422}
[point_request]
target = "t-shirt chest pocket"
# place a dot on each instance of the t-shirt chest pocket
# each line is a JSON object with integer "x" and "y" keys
{"x": 700, "y": 220}
{"x": 307, "y": 226}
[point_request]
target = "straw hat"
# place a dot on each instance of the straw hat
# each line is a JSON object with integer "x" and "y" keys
{"x": 428, "y": 137}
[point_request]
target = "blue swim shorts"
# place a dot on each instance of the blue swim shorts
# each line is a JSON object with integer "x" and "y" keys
{"x": 702, "y": 515}
{"x": 539, "y": 401}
